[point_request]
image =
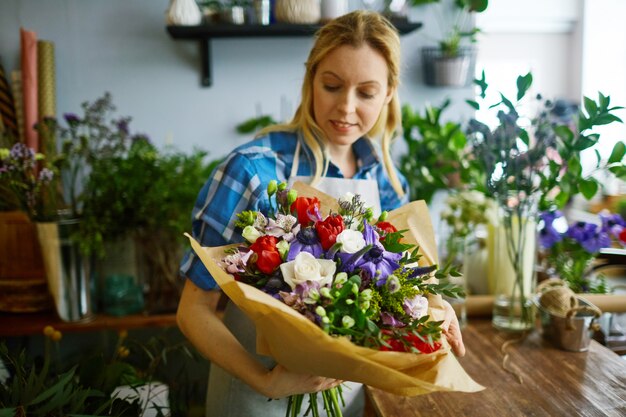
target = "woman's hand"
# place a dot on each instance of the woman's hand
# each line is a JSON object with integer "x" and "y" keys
{"x": 282, "y": 383}
{"x": 452, "y": 330}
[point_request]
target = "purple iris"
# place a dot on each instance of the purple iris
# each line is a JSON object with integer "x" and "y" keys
{"x": 390, "y": 320}
{"x": 375, "y": 261}
{"x": 306, "y": 240}
{"x": 589, "y": 237}
{"x": 612, "y": 224}
{"x": 548, "y": 235}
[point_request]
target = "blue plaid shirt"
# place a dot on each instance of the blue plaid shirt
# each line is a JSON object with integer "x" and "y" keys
{"x": 240, "y": 183}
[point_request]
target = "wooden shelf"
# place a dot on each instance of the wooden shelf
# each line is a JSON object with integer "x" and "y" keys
{"x": 25, "y": 324}
{"x": 205, "y": 32}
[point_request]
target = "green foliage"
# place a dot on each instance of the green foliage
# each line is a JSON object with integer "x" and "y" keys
{"x": 547, "y": 167}
{"x": 436, "y": 152}
{"x": 144, "y": 192}
{"x": 48, "y": 388}
{"x": 254, "y": 124}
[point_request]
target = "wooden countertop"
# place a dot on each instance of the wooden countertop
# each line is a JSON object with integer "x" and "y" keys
{"x": 555, "y": 382}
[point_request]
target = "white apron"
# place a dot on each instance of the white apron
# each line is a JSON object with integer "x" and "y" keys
{"x": 228, "y": 396}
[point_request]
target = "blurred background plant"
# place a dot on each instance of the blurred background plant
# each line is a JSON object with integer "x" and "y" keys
{"x": 48, "y": 386}
{"x": 455, "y": 22}
{"x": 569, "y": 250}
{"x": 436, "y": 156}
{"x": 27, "y": 182}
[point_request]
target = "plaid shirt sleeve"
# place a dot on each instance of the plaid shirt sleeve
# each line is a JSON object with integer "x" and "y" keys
{"x": 233, "y": 187}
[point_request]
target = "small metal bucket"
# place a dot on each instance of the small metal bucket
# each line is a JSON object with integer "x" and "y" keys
{"x": 573, "y": 331}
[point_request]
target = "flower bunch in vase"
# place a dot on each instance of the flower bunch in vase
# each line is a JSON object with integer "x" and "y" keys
{"x": 569, "y": 250}
{"x": 532, "y": 164}
{"x": 346, "y": 271}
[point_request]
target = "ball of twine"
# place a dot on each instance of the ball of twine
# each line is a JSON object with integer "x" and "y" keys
{"x": 558, "y": 300}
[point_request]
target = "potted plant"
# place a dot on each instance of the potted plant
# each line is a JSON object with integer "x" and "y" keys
{"x": 450, "y": 63}
{"x": 436, "y": 152}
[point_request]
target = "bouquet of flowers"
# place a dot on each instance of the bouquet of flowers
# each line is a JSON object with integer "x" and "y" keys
{"x": 571, "y": 249}
{"x": 345, "y": 288}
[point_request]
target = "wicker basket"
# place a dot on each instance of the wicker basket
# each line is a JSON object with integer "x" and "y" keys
{"x": 298, "y": 11}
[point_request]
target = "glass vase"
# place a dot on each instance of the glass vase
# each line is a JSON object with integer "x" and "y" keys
{"x": 67, "y": 270}
{"x": 511, "y": 269}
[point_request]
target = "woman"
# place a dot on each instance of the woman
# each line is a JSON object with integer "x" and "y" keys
{"x": 349, "y": 95}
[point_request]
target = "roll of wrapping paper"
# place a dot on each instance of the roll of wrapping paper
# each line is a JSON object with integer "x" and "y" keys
{"x": 28, "y": 41}
{"x": 46, "y": 79}
{"x": 16, "y": 86}
{"x": 482, "y": 305}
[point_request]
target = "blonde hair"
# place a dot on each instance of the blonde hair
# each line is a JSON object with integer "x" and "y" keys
{"x": 354, "y": 29}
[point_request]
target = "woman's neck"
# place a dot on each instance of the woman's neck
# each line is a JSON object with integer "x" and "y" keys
{"x": 344, "y": 158}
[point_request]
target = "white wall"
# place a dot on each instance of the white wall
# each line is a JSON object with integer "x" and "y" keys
{"x": 122, "y": 46}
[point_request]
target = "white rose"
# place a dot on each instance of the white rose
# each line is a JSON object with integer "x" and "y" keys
{"x": 306, "y": 268}
{"x": 416, "y": 307}
{"x": 351, "y": 241}
{"x": 251, "y": 234}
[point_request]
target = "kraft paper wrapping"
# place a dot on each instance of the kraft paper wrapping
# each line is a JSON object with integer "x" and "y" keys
{"x": 50, "y": 242}
{"x": 46, "y": 79}
{"x": 301, "y": 346}
{"x": 29, "y": 87}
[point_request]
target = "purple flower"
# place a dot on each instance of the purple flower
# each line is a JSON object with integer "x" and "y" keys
{"x": 589, "y": 237}
{"x": 306, "y": 240}
{"x": 612, "y": 224}
{"x": 389, "y": 320}
{"x": 45, "y": 175}
{"x": 373, "y": 260}
{"x": 71, "y": 119}
{"x": 548, "y": 235}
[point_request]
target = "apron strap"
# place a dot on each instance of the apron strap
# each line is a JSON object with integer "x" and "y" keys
{"x": 296, "y": 160}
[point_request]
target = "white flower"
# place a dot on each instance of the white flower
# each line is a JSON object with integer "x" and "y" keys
{"x": 251, "y": 234}
{"x": 351, "y": 241}
{"x": 347, "y": 197}
{"x": 283, "y": 248}
{"x": 306, "y": 268}
{"x": 416, "y": 307}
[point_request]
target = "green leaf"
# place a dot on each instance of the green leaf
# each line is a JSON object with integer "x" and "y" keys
{"x": 507, "y": 102}
{"x": 474, "y": 104}
{"x": 584, "y": 142}
{"x": 561, "y": 199}
{"x": 8, "y": 412}
{"x": 523, "y": 84}
{"x": 619, "y": 171}
{"x": 482, "y": 84}
{"x": 590, "y": 106}
{"x": 59, "y": 386}
{"x": 565, "y": 133}
{"x": 605, "y": 119}
{"x": 588, "y": 188}
{"x": 523, "y": 135}
{"x": 618, "y": 153}
{"x": 574, "y": 166}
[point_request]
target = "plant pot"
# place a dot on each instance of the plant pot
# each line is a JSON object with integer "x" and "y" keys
{"x": 23, "y": 286}
{"x": 67, "y": 270}
{"x": 442, "y": 70}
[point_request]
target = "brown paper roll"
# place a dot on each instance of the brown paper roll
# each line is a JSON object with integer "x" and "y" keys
{"x": 46, "y": 79}
{"x": 481, "y": 305}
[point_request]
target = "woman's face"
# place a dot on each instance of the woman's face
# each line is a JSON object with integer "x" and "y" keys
{"x": 349, "y": 92}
